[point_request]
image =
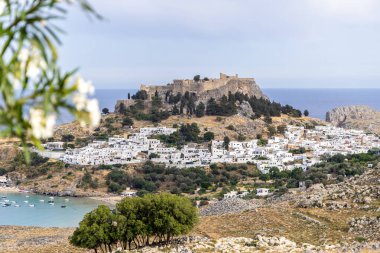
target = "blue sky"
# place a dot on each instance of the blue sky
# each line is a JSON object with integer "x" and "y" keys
{"x": 282, "y": 43}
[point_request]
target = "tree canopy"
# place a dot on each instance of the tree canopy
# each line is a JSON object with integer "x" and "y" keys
{"x": 136, "y": 222}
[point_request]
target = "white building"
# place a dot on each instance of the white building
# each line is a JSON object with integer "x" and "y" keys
{"x": 262, "y": 191}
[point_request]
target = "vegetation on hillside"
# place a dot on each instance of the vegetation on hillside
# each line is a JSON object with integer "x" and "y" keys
{"x": 332, "y": 169}
{"x": 187, "y": 104}
{"x": 155, "y": 177}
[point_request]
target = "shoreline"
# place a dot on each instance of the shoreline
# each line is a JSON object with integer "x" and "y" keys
{"x": 111, "y": 200}
{"x": 10, "y": 190}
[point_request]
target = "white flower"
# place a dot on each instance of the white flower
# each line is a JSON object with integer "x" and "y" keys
{"x": 94, "y": 112}
{"x": 42, "y": 127}
{"x": 80, "y": 101}
{"x": 35, "y": 62}
{"x": 3, "y": 5}
{"x": 33, "y": 71}
{"x": 43, "y": 22}
{"x": 91, "y": 106}
{"x": 85, "y": 87}
{"x": 23, "y": 56}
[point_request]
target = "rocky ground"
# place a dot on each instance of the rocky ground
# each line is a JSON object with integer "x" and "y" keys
{"x": 356, "y": 117}
{"x": 226, "y": 206}
{"x": 34, "y": 239}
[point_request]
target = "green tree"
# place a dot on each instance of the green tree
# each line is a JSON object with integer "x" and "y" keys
{"x": 268, "y": 119}
{"x": 208, "y": 136}
{"x": 154, "y": 216}
{"x": 68, "y": 138}
{"x": 141, "y": 94}
{"x": 306, "y": 113}
{"x": 175, "y": 110}
{"x": 226, "y": 142}
{"x": 170, "y": 215}
{"x": 200, "y": 110}
{"x": 127, "y": 121}
{"x": 197, "y": 78}
{"x": 96, "y": 231}
{"x": 105, "y": 111}
{"x": 189, "y": 132}
{"x": 3, "y": 171}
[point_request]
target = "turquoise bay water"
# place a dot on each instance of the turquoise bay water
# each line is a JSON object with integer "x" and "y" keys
{"x": 44, "y": 214}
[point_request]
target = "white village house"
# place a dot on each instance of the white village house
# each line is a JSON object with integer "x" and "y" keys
{"x": 277, "y": 153}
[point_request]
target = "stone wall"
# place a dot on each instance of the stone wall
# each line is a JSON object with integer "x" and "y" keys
{"x": 215, "y": 88}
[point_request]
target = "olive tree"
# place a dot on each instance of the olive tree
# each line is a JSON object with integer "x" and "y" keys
{"x": 97, "y": 230}
{"x": 136, "y": 222}
{"x": 33, "y": 87}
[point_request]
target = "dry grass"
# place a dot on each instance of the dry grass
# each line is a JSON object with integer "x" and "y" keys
{"x": 32, "y": 239}
{"x": 283, "y": 221}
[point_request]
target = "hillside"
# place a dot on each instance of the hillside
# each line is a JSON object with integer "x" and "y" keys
{"x": 343, "y": 218}
{"x": 112, "y": 125}
{"x": 355, "y": 117}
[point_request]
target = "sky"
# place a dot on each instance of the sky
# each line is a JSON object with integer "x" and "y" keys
{"x": 281, "y": 43}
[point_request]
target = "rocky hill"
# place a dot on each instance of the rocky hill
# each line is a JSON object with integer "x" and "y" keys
{"x": 355, "y": 117}
{"x": 203, "y": 89}
{"x": 208, "y": 88}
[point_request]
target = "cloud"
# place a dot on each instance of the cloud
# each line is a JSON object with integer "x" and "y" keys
{"x": 151, "y": 41}
{"x": 349, "y": 11}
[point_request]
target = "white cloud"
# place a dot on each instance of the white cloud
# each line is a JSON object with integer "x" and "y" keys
{"x": 350, "y": 11}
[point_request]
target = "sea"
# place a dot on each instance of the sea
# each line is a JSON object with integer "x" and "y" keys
{"x": 43, "y": 214}
{"x": 316, "y": 101}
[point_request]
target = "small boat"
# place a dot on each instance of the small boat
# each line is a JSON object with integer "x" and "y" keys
{"x": 25, "y": 201}
{"x": 67, "y": 200}
{"x": 5, "y": 205}
{"x": 27, "y": 196}
{"x": 63, "y": 206}
{"x": 6, "y": 200}
{"x": 51, "y": 197}
{"x": 17, "y": 205}
{"x": 52, "y": 203}
{"x": 42, "y": 200}
{"x": 3, "y": 197}
{"x": 13, "y": 202}
{"x": 31, "y": 205}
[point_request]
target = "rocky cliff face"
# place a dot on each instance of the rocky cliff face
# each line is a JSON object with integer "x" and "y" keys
{"x": 245, "y": 86}
{"x": 358, "y": 117}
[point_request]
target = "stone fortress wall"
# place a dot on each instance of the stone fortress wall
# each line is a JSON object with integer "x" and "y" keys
{"x": 206, "y": 89}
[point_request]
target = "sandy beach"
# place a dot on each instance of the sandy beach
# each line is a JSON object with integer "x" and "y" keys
{"x": 9, "y": 189}
{"x": 112, "y": 200}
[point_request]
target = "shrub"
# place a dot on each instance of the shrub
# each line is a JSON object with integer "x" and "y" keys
{"x": 231, "y": 127}
{"x": 3, "y": 171}
{"x": 68, "y": 138}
